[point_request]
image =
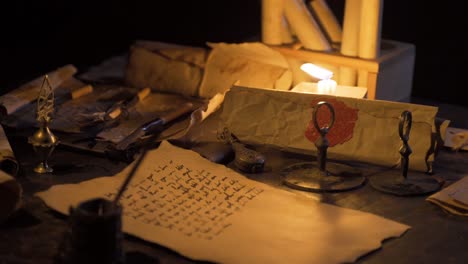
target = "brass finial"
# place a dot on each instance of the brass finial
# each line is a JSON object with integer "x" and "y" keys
{"x": 43, "y": 140}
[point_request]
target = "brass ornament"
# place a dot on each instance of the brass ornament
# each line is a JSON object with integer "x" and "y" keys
{"x": 43, "y": 140}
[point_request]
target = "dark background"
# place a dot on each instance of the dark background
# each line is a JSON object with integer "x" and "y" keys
{"x": 39, "y": 36}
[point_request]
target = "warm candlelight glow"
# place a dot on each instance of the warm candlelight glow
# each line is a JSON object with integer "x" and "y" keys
{"x": 326, "y": 85}
{"x": 316, "y": 71}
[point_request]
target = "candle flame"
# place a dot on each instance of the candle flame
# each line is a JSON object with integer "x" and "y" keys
{"x": 316, "y": 71}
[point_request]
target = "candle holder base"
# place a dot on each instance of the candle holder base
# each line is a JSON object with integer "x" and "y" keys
{"x": 307, "y": 176}
{"x": 417, "y": 183}
{"x": 42, "y": 168}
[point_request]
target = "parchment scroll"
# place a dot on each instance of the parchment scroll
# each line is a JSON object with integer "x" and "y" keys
{"x": 28, "y": 92}
{"x": 282, "y": 118}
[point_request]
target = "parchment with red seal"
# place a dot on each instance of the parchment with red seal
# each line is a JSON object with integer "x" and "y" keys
{"x": 342, "y": 129}
{"x": 361, "y": 130}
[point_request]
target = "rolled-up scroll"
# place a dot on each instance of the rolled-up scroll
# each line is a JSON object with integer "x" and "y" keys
{"x": 248, "y": 64}
{"x": 369, "y": 34}
{"x": 28, "y": 92}
{"x": 286, "y": 33}
{"x": 305, "y": 26}
{"x": 275, "y": 30}
{"x": 370, "y": 28}
{"x": 327, "y": 18}
{"x": 350, "y": 40}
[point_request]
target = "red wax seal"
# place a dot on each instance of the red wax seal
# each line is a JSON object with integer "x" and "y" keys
{"x": 342, "y": 129}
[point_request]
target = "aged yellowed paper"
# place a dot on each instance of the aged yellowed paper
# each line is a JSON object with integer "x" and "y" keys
{"x": 453, "y": 198}
{"x": 248, "y": 64}
{"x": 364, "y": 130}
{"x": 207, "y": 211}
{"x": 29, "y": 92}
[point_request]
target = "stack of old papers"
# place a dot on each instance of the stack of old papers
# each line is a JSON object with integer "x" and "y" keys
{"x": 100, "y": 115}
{"x": 454, "y": 198}
{"x": 205, "y": 72}
{"x": 206, "y": 211}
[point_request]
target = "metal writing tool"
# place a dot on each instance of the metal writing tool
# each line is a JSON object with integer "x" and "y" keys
{"x": 115, "y": 112}
{"x": 132, "y": 172}
{"x": 154, "y": 126}
{"x": 93, "y": 124}
{"x": 75, "y": 94}
{"x": 122, "y": 107}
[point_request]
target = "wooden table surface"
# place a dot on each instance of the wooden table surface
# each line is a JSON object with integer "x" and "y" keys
{"x": 34, "y": 233}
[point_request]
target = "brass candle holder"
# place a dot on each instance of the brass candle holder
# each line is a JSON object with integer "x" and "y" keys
{"x": 43, "y": 140}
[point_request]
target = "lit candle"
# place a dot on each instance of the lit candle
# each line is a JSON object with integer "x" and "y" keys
{"x": 326, "y": 85}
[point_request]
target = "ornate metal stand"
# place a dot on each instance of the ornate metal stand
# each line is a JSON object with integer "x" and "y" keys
{"x": 320, "y": 176}
{"x": 398, "y": 183}
{"x": 43, "y": 140}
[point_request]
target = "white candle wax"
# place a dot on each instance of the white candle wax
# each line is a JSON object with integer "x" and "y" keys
{"x": 326, "y": 86}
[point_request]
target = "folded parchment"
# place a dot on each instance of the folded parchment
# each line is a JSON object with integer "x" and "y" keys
{"x": 246, "y": 64}
{"x": 189, "y": 54}
{"x": 364, "y": 130}
{"x": 454, "y": 198}
{"x": 207, "y": 211}
{"x": 10, "y": 189}
{"x": 165, "y": 67}
{"x": 456, "y": 138}
{"x": 200, "y": 72}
